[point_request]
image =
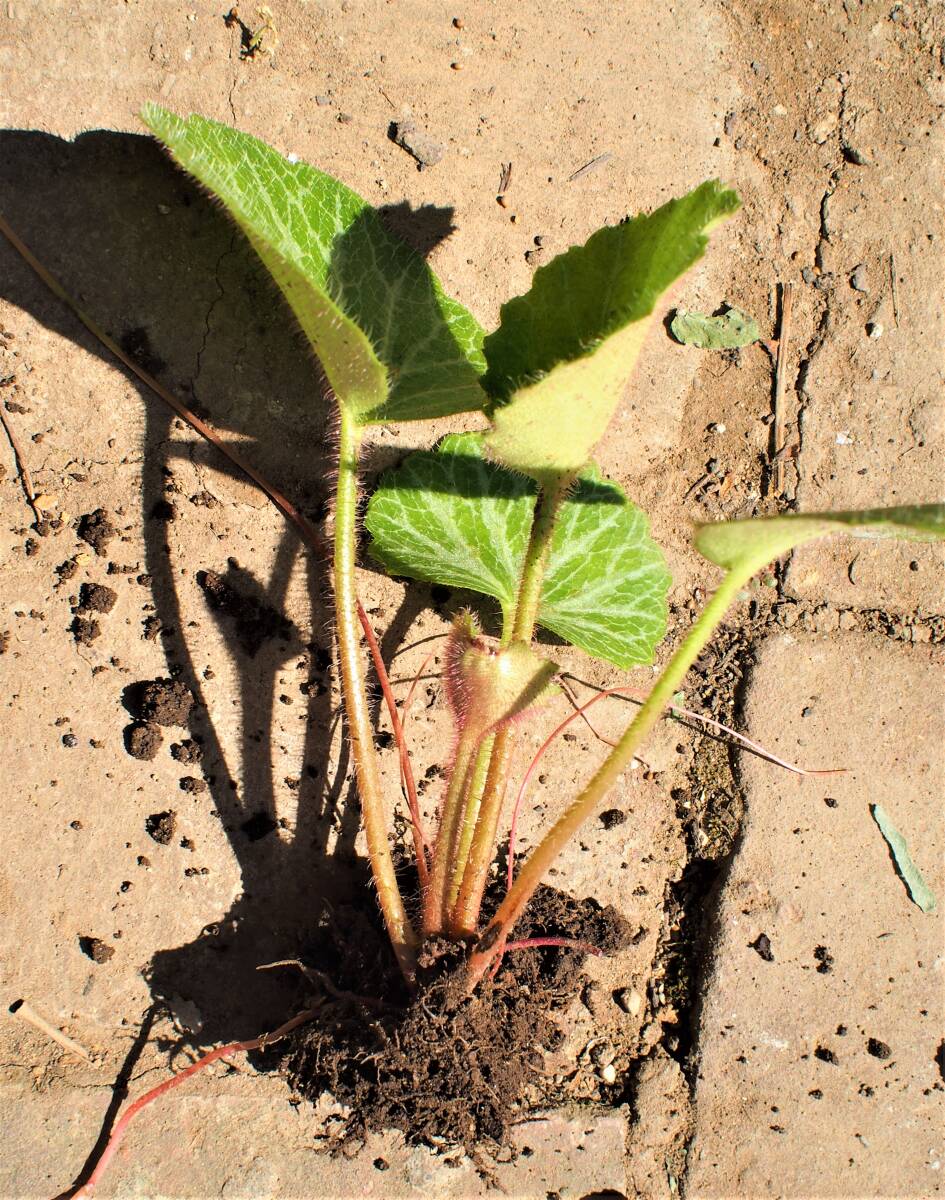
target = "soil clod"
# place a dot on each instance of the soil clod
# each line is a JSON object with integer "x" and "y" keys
{"x": 96, "y": 529}
{"x": 95, "y": 949}
{"x": 160, "y": 826}
{"x": 143, "y": 740}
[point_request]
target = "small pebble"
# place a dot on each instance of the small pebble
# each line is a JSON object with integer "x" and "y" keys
{"x": 459, "y": 23}
{"x": 858, "y": 279}
{"x": 874, "y": 329}
{"x": 456, "y": 66}
{"x": 609, "y": 1073}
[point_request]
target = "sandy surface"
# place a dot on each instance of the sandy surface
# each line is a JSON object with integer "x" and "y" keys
{"x": 828, "y": 119}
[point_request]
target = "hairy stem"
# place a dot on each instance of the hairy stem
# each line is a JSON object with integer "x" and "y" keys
{"x": 434, "y": 901}
{"x": 363, "y": 751}
{"x": 607, "y": 775}
{"x": 465, "y": 916}
{"x": 477, "y": 785}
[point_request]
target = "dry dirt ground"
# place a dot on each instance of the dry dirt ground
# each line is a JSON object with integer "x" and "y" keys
{"x": 125, "y": 882}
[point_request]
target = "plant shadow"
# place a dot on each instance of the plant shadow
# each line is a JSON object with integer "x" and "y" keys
{"x": 156, "y": 264}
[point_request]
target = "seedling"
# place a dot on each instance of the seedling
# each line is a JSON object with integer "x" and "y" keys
{"x": 516, "y": 512}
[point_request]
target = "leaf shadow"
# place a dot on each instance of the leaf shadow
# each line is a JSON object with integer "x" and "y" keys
{"x": 157, "y": 265}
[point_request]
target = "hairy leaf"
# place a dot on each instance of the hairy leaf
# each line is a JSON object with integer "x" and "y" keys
{"x": 606, "y": 583}
{"x": 729, "y": 329}
{"x": 450, "y": 517}
{"x": 454, "y": 518}
{"x": 392, "y": 345}
{"x": 749, "y": 545}
{"x": 560, "y": 360}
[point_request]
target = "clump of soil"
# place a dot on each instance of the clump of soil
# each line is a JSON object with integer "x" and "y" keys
{"x": 446, "y": 1066}
{"x": 163, "y": 701}
{"x": 255, "y": 623}
{"x": 143, "y": 740}
{"x": 188, "y": 751}
{"x": 96, "y": 529}
{"x": 95, "y": 597}
{"x": 95, "y": 949}
{"x": 161, "y": 826}
{"x": 85, "y": 630}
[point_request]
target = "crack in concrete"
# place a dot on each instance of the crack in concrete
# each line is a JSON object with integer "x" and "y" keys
{"x": 221, "y": 292}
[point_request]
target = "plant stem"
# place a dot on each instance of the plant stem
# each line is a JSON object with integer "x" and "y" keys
{"x": 477, "y": 784}
{"x": 434, "y": 902}
{"x": 465, "y": 916}
{"x": 401, "y": 933}
{"x": 606, "y": 776}
{"x": 536, "y": 560}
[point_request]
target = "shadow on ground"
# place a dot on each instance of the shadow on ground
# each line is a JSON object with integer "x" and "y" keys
{"x": 154, "y": 263}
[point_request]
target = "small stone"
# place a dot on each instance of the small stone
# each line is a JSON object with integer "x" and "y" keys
{"x": 877, "y": 1048}
{"x": 847, "y": 620}
{"x": 822, "y": 129}
{"x": 322, "y": 101}
{"x": 630, "y": 1001}
{"x": 858, "y": 279}
{"x": 826, "y": 620}
{"x": 608, "y": 1073}
{"x": 874, "y": 329}
{"x": 69, "y": 740}
{"x": 418, "y": 144}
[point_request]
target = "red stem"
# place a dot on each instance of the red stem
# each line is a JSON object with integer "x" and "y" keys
{"x": 534, "y": 943}
{"x": 267, "y": 1039}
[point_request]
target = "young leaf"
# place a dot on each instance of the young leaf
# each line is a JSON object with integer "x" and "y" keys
{"x": 488, "y": 685}
{"x": 729, "y": 329}
{"x": 747, "y": 546}
{"x": 606, "y": 582}
{"x": 563, "y": 353}
{"x": 392, "y": 345}
{"x": 454, "y": 518}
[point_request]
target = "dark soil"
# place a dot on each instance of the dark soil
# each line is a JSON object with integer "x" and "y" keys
{"x": 162, "y": 701}
{"x": 161, "y": 826}
{"x": 255, "y": 622}
{"x": 95, "y": 597}
{"x": 143, "y": 740}
{"x": 97, "y": 950}
{"x": 188, "y": 751}
{"x": 445, "y": 1067}
{"x": 96, "y": 529}
{"x": 85, "y": 630}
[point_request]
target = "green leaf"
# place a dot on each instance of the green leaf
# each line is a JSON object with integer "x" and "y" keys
{"x": 919, "y": 891}
{"x": 729, "y": 329}
{"x": 606, "y": 582}
{"x": 560, "y": 360}
{"x": 746, "y": 546}
{"x": 392, "y": 345}
{"x": 453, "y": 518}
